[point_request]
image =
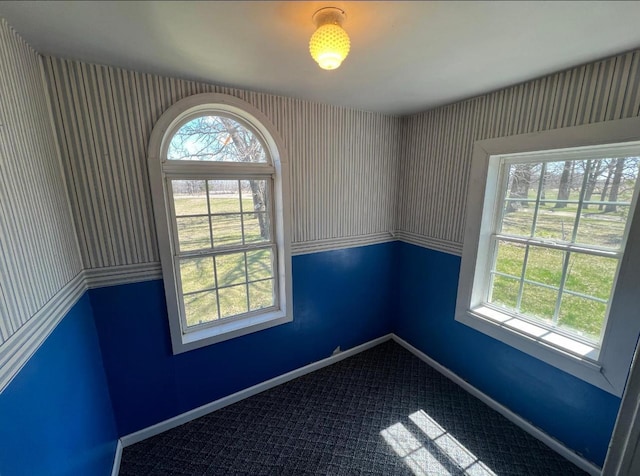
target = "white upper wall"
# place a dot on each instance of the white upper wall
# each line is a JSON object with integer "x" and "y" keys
{"x": 435, "y": 161}
{"x": 343, "y": 162}
{"x": 405, "y": 56}
{"x": 38, "y": 248}
{"x": 356, "y": 176}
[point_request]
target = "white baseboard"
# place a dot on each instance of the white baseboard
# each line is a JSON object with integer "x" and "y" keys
{"x": 116, "y": 459}
{"x": 178, "y": 420}
{"x": 537, "y": 433}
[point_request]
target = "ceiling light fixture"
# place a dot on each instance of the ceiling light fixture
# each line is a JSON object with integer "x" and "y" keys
{"x": 330, "y": 44}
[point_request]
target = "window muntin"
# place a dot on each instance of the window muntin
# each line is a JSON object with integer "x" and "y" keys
{"x": 226, "y": 249}
{"x": 558, "y": 239}
{"x": 217, "y": 138}
{"x": 197, "y": 233}
{"x": 219, "y": 213}
{"x": 606, "y": 366}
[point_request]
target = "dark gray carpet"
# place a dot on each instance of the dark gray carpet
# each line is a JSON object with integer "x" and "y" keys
{"x": 381, "y": 412}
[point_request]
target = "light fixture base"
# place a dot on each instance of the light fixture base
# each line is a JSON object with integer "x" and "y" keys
{"x": 329, "y": 15}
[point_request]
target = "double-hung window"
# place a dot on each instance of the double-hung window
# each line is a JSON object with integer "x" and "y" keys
{"x": 219, "y": 205}
{"x": 547, "y": 232}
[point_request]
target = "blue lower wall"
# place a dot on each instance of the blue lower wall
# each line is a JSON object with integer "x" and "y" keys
{"x": 56, "y": 416}
{"x": 340, "y": 298}
{"x": 574, "y": 412}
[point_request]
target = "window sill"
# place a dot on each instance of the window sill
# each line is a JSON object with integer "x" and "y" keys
{"x": 542, "y": 335}
{"x": 570, "y": 356}
{"x": 229, "y": 330}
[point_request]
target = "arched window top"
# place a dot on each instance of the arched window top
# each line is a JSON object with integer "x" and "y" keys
{"x": 215, "y": 130}
{"x": 216, "y": 137}
{"x": 219, "y": 183}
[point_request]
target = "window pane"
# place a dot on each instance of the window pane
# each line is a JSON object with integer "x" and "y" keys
{"x": 255, "y": 204}
{"x": 538, "y": 301}
{"x": 544, "y": 266}
{"x": 520, "y": 197}
{"x": 259, "y": 264}
{"x": 562, "y": 183}
{"x": 215, "y": 138}
{"x": 603, "y": 228}
{"x": 597, "y": 179}
{"x": 197, "y": 274}
{"x": 261, "y": 294}
{"x": 193, "y": 233}
{"x": 230, "y": 269}
{"x": 517, "y": 222}
{"x": 510, "y": 258}
{"x": 505, "y": 292}
{"x": 227, "y": 230}
{"x": 555, "y": 223}
{"x": 233, "y": 300}
{"x": 189, "y": 197}
{"x": 611, "y": 184}
{"x": 591, "y": 275}
{"x": 200, "y": 308}
{"x": 224, "y": 196}
{"x": 584, "y": 316}
{"x": 256, "y": 227}
{"x": 255, "y": 195}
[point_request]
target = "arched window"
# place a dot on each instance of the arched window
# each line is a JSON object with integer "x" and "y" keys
{"x": 219, "y": 181}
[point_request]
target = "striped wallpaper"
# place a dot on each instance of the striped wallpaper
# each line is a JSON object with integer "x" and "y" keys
{"x": 38, "y": 249}
{"x": 435, "y": 158}
{"x": 355, "y": 175}
{"x": 343, "y": 162}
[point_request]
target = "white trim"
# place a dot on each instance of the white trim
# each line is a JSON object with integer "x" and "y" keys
{"x": 158, "y": 166}
{"x": 140, "y": 272}
{"x": 332, "y": 244}
{"x": 126, "y": 274}
{"x": 583, "y": 368}
{"x": 23, "y": 344}
{"x": 16, "y": 351}
{"x": 537, "y": 433}
{"x": 444, "y": 246}
{"x": 186, "y": 417}
{"x": 622, "y": 329}
{"x": 623, "y": 452}
{"x": 117, "y": 459}
{"x": 231, "y": 328}
{"x": 178, "y": 420}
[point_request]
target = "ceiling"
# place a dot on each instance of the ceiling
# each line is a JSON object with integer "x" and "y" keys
{"x": 405, "y": 56}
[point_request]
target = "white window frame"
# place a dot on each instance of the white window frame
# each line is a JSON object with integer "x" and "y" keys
{"x": 161, "y": 171}
{"x": 606, "y": 368}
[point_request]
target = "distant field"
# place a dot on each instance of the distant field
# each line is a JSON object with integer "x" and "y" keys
{"x": 234, "y": 294}
{"x": 588, "y": 275}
